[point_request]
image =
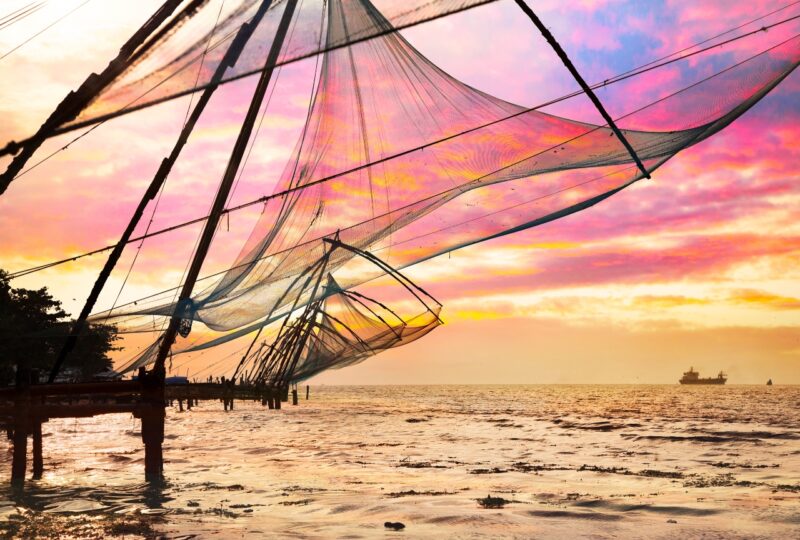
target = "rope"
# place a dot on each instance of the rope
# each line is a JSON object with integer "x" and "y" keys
{"x": 46, "y": 28}
{"x": 19, "y": 14}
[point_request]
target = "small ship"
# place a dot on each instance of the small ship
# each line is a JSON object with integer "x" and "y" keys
{"x": 693, "y": 377}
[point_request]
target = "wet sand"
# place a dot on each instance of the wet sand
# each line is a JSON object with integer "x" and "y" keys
{"x": 446, "y": 461}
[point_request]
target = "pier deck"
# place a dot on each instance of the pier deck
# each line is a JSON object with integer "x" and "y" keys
{"x": 25, "y": 407}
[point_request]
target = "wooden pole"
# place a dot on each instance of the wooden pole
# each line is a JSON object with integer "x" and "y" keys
{"x": 183, "y": 306}
{"x": 153, "y": 438}
{"x": 308, "y": 389}
{"x": 151, "y": 411}
{"x": 19, "y": 460}
{"x": 584, "y": 86}
{"x": 231, "y": 56}
{"x": 20, "y": 456}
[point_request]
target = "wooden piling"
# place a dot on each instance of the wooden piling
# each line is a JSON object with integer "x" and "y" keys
{"x": 308, "y": 389}
{"x": 38, "y": 461}
{"x": 153, "y": 414}
{"x": 20, "y": 456}
{"x": 153, "y": 438}
{"x": 19, "y": 460}
{"x": 294, "y": 396}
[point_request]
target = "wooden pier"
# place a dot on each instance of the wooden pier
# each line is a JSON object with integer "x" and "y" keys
{"x": 25, "y": 407}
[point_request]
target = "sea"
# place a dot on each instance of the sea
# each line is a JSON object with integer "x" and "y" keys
{"x": 511, "y": 461}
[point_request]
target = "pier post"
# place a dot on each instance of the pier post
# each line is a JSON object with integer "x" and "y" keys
{"x": 38, "y": 461}
{"x": 308, "y": 389}
{"x": 19, "y": 461}
{"x": 153, "y": 438}
{"x": 152, "y": 414}
{"x": 294, "y": 396}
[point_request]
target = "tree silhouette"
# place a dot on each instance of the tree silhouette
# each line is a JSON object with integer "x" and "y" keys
{"x": 33, "y": 327}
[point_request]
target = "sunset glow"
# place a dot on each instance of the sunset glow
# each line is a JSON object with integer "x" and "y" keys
{"x": 697, "y": 266}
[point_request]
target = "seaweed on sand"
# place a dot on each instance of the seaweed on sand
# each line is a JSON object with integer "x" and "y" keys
{"x": 492, "y": 502}
{"x": 411, "y": 492}
{"x": 53, "y": 526}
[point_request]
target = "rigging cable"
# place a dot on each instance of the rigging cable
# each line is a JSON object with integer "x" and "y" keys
{"x": 46, "y": 28}
{"x": 17, "y": 15}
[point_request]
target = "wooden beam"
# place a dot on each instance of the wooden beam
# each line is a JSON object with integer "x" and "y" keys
{"x": 74, "y": 389}
{"x": 585, "y": 87}
{"x": 231, "y": 57}
{"x": 235, "y": 160}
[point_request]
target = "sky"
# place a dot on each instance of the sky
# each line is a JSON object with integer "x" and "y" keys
{"x": 695, "y": 267}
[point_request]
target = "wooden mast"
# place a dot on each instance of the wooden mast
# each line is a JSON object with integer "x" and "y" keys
{"x": 585, "y": 87}
{"x": 231, "y": 56}
{"x": 153, "y": 417}
{"x": 224, "y": 189}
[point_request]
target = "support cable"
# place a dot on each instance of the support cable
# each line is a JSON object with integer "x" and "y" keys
{"x": 43, "y": 30}
{"x": 17, "y": 15}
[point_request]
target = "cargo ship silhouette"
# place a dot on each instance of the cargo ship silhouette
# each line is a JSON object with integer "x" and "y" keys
{"x": 693, "y": 377}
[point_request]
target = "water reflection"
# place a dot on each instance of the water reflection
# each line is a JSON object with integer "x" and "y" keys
{"x": 679, "y": 461}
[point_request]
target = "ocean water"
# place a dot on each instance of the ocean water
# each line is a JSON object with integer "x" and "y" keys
{"x": 561, "y": 461}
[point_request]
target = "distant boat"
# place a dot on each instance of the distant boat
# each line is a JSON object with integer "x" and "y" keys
{"x": 693, "y": 377}
{"x": 769, "y": 382}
